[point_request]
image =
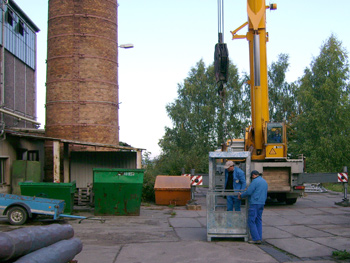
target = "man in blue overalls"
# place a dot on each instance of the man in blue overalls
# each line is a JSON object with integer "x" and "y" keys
{"x": 257, "y": 194}
{"x": 234, "y": 180}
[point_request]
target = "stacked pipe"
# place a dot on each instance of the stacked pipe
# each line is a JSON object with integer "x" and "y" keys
{"x": 53, "y": 243}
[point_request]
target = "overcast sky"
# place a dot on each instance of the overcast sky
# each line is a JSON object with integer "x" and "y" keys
{"x": 171, "y": 36}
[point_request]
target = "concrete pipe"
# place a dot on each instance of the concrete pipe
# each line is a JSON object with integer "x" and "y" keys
{"x": 22, "y": 241}
{"x": 60, "y": 252}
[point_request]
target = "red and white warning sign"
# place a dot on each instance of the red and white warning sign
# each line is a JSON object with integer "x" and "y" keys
{"x": 342, "y": 177}
{"x": 195, "y": 179}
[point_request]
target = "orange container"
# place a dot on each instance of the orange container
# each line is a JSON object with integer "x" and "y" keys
{"x": 172, "y": 190}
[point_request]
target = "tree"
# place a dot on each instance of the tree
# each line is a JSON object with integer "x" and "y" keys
{"x": 321, "y": 130}
{"x": 199, "y": 117}
{"x": 282, "y": 102}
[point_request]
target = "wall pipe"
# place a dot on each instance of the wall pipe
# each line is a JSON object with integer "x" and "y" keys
{"x": 19, "y": 116}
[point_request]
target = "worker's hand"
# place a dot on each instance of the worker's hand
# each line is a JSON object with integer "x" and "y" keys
{"x": 239, "y": 196}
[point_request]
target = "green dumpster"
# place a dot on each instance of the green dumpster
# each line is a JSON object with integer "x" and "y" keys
{"x": 117, "y": 191}
{"x": 60, "y": 191}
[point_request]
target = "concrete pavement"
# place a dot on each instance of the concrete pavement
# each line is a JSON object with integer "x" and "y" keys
{"x": 308, "y": 231}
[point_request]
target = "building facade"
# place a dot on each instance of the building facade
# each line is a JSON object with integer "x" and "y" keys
{"x": 18, "y": 95}
{"x": 18, "y": 67}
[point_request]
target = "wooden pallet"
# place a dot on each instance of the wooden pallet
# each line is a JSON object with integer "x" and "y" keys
{"x": 83, "y": 196}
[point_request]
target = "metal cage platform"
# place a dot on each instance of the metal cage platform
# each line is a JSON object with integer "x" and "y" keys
{"x": 220, "y": 222}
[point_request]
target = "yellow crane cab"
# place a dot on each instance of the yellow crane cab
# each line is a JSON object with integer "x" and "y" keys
{"x": 275, "y": 140}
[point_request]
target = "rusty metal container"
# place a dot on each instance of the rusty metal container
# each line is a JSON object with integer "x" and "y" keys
{"x": 82, "y": 84}
{"x": 172, "y": 190}
{"x": 118, "y": 191}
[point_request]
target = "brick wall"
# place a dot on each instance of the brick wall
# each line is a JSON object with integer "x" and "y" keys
{"x": 82, "y": 91}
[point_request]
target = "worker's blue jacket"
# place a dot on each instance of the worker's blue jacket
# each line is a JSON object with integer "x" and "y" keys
{"x": 257, "y": 191}
{"x": 239, "y": 182}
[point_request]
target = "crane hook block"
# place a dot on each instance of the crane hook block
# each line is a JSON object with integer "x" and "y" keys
{"x": 221, "y": 62}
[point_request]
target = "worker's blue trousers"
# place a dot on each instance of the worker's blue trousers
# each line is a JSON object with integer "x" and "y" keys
{"x": 255, "y": 221}
{"x": 233, "y": 200}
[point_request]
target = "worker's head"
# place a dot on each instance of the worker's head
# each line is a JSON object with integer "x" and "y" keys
{"x": 254, "y": 174}
{"x": 229, "y": 165}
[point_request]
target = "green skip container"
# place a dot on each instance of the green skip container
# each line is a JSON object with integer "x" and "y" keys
{"x": 60, "y": 191}
{"x": 117, "y": 191}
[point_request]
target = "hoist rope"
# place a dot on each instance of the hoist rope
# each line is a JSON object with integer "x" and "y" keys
{"x": 221, "y": 20}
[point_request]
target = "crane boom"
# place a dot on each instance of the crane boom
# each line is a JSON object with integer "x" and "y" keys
{"x": 256, "y": 137}
{"x": 257, "y": 38}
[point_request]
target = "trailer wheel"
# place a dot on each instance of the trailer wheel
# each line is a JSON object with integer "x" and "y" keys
{"x": 17, "y": 215}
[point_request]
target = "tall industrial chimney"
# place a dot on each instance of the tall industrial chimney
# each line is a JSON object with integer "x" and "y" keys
{"x": 82, "y": 84}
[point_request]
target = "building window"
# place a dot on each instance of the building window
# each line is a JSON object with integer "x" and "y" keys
{"x": 20, "y": 28}
{"x": 25, "y": 155}
{"x": 274, "y": 133}
{"x": 21, "y": 154}
{"x": 2, "y": 171}
{"x": 33, "y": 155}
{"x": 19, "y": 38}
{"x": 9, "y": 17}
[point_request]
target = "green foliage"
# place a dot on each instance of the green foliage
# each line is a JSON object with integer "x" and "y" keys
{"x": 341, "y": 255}
{"x": 336, "y": 187}
{"x": 199, "y": 116}
{"x": 322, "y": 127}
{"x": 148, "y": 178}
{"x": 315, "y": 108}
{"x": 281, "y": 93}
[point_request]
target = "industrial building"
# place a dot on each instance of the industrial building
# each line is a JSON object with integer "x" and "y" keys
{"x": 18, "y": 97}
{"x": 82, "y": 129}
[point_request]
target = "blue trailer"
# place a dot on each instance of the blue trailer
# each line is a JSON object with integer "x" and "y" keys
{"x": 19, "y": 208}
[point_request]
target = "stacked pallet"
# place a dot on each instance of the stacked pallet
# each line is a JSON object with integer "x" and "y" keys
{"x": 83, "y": 196}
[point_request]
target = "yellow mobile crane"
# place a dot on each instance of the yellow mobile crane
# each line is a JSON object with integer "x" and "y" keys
{"x": 265, "y": 140}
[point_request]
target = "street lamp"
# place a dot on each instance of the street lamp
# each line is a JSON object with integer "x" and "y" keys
{"x": 126, "y": 46}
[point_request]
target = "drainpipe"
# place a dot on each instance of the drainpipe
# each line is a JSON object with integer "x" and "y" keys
{"x": 19, "y": 116}
{"x": 2, "y": 84}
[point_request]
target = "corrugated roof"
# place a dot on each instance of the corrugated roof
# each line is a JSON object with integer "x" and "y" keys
{"x": 40, "y": 137}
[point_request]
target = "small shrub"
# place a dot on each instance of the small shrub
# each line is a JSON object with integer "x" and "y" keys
{"x": 341, "y": 254}
{"x": 148, "y": 194}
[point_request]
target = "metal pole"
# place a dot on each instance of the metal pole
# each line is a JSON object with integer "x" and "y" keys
{"x": 193, "y": 187}
{"x": 345, "y": 170}
{"x": 345, "y": 201}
